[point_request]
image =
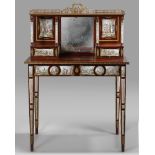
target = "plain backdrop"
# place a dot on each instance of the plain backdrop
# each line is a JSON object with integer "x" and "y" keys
{"x": 77, "y": 113}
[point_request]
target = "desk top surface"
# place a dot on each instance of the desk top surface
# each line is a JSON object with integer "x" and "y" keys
{"x": 77, "y": 60}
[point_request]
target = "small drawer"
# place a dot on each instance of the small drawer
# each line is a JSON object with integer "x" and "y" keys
{"x": 38, "y": 50}
{"x": 99, "y": 70}
{"x": 108, "y": 52}
{"x": 44, "y": 52}
{"x": 70, "y": 70}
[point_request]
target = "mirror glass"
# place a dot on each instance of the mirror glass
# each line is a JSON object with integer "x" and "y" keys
{"x": 77, "y": 34}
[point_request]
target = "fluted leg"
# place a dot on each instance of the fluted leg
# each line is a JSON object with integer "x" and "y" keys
{"x": 117, "y": 103}
{"x": 123, "y": 105}
{"x": 36, "y": 103}
{"x": 31, "y": 104}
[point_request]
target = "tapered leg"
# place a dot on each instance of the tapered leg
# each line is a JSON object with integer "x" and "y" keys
{"x": 36, "y": 103}
{"x": 117, "y": 87}
{"x": 31, "y": 104}
{"x": 123, "y": 105}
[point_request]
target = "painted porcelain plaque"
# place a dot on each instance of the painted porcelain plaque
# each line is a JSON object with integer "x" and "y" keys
{"x": 46, "y": 28}
{"x": 108, "y": 28}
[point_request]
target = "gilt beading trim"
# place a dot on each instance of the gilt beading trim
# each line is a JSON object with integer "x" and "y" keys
{"x": 75, "y": 9}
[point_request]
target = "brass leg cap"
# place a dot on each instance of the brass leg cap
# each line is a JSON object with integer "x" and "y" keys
{"x": 36, "y": 130}
{"x": 31, "y": 147}
{"x": 123, "y": 147}
{"x": 116, "y": 131}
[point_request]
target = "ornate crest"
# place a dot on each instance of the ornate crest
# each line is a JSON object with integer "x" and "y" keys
{"x": 77, "y": 8}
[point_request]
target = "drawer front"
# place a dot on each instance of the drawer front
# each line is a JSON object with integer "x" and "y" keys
{"x": 99, "y": 70}
{"x": 77, "y": 70}
{"x": 54, "y": 70}
{"x": 43, "y": 52}
{"x": 109, "y": 52}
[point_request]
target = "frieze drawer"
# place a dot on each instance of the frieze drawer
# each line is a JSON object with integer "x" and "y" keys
{"x": 81, "y": 70}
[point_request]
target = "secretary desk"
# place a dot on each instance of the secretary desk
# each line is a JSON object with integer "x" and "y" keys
{"x": 76, "y": 41}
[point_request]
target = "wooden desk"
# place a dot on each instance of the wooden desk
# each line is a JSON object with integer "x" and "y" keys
{"x": 75, "y": 66}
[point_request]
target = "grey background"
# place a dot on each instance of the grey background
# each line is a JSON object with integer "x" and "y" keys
{"x": 77, "y": 113}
